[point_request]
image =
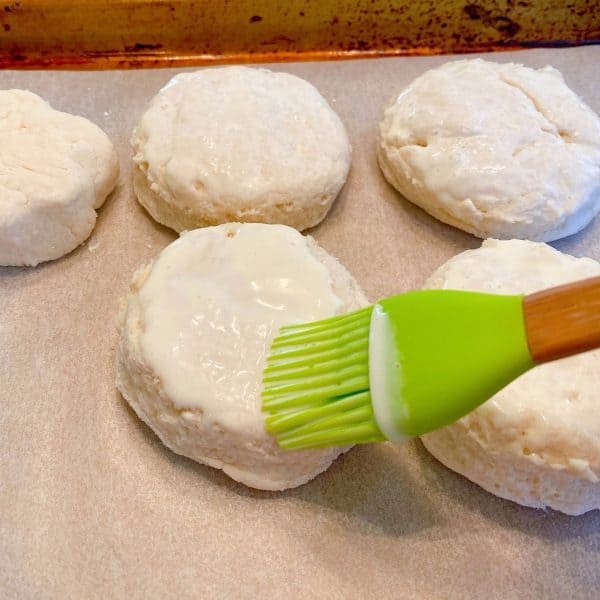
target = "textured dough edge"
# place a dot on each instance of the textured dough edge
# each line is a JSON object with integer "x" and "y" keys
{"x": 161, "y": 208}
{"x": 510, "y": 476}
{"x": 414, "y": 191}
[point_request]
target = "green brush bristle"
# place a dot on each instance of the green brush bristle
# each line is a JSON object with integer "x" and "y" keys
{"x": 316, "y": 384}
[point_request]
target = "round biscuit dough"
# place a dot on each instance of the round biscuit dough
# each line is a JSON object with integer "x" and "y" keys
{"x": 239, "y": 144}
{"x": 56, "y": 169}
{"x": 498, "y": 150}
{"x": 537, "y": 441}
{"x": 195, "y": 332}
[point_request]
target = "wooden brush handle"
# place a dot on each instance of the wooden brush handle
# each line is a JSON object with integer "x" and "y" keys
{"x": 563, "y": 320}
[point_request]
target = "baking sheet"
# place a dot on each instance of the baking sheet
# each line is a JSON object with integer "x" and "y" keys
{"x": 93, "y": 506}
{"x": 119, "y": 33}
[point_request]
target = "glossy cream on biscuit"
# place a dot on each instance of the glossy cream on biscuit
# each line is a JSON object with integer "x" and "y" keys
{"x": 209, "y": 323}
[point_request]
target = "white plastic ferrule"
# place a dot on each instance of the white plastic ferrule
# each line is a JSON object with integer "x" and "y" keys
{"x": 384, "y": 375}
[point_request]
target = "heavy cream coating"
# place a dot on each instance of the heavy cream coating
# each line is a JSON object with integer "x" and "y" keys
{"x": 547, "y": 421}
{"x": 195, "y": 333}
{"x": 55, "y": 170}
{"x": 212, "y": 303}
{"x": 499, "y": 150}
{"x": 239, "y": 144}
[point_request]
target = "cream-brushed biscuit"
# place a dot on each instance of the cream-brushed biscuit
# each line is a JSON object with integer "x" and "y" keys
{"x": 196, "y": 331}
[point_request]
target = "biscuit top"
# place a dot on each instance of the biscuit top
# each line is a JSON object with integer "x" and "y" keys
{"x": 498, "y": 144}
{"x": 238, "y": 139}
{"x": 550, "y": 414}
{"x": 212, "y": 303}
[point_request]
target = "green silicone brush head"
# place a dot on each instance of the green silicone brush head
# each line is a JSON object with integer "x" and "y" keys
{"x": 409, "y": 365}
{"x": 316, "y": 384}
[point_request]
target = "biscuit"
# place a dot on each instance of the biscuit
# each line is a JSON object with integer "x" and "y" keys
{"x": 195, "y": 333}
{"x": 537, "y": 441}
{"x": 498, "y": 150}
{"x": 56, "y": 169}
{"x": 239, "y": 144}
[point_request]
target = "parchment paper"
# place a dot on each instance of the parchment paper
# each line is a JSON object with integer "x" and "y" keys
{"x": 93, "y": 506}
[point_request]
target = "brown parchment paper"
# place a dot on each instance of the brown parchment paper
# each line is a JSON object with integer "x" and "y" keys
{"x": 93, "y": 506}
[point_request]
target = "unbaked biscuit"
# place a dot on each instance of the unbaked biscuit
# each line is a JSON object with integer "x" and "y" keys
{"x": 239, "y": 144}
{"x": 498, "y": 150}
{"x": 537, "y": 441}
{"x": 56, "y": 169}
{"x": 196, "y": 331}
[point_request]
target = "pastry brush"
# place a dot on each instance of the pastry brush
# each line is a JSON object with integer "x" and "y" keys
{"x": 415, "y": 362}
